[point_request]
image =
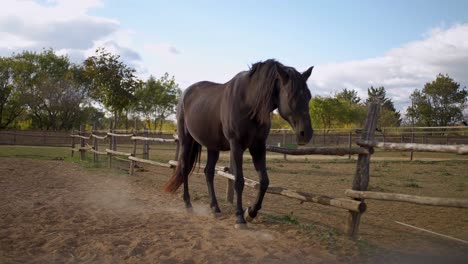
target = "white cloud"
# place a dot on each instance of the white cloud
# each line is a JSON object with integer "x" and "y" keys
{"x": 400, "y": 70}
{"x": 64, "y": 25}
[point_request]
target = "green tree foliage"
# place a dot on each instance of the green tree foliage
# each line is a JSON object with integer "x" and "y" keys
{"x": 349, "y": 96}
{"x": 440, "y": 103}
{"x": 354, "y": 112}
{"x": 49, "y": 87}
{"x": 326, "y": 112}
{"x": 157, "y": 99}
{"x": 389, "y": 116}
{"x": 112, "y": 82}
{"x": 11, "y": 105}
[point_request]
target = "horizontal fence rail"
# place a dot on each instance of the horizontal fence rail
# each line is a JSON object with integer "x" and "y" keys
{"x": 318, "y": 151}
{"x": 424, "y": 200}
{"x": 458, "y": 149}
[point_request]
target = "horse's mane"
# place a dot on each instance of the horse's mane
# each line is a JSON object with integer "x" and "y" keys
{"x": 264, "y": 74}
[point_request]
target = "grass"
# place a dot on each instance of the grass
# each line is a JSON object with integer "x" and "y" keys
{"x": 365, "y": 247}
{"x": 32, "y": 152}
{"x": 445, "y": 173}
{"x": 325, "y": 233}
{"x": 412, "y": 184}
{"x": 288, "y": 219}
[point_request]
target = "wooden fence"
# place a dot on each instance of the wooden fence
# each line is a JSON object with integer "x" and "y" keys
{"x": 355, "y": 204}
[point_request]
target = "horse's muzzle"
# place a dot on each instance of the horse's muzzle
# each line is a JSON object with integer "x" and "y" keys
{"x": 304, "y": 136}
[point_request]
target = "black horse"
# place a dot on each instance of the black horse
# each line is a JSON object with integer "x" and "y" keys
{"x": 235, "y": 116}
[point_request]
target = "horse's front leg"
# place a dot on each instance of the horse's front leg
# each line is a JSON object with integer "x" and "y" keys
{"x": 258, "y": 153}
{"x": 236, "y": 165}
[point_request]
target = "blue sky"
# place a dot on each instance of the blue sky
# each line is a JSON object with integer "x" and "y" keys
{"x": 353, "y": 44}
{"x": 304, "y": 31}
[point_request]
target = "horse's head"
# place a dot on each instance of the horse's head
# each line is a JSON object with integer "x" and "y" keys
{"x": 293, "y": 101}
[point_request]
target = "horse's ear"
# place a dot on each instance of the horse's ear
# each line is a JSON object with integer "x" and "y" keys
{"x": 307, "y": 73}
{"x": 283, "y": 74}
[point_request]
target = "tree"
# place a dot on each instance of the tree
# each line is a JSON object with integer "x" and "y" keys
{"x": 389, "y": 116}
{"x": 354, "y": 113}
{"x": 112, "y": 82}
{"x": 50, "y": 87}
{"x": 348, "y": 96}
{"x": 157, "y": 98}
{"x": 11, "y": 105}
{"x": 440, "y": 103}
{"x": 326, "y": 112}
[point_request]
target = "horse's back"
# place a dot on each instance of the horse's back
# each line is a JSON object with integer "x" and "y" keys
{"x": 200, "y": 105}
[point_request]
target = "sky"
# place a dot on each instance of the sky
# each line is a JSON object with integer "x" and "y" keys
{"x": 400, "y": 45}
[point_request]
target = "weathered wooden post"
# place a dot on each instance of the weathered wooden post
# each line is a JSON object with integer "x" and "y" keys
{"x": 361, "y": 178}
{"x": 284, "y": 142}
{"x": 132, "y": 162}
{"x": 110, "y": 137}
{"x": 145, "y": 144}
{"x": 95, "y": 143}
{"x": 72, "y": 144}
{"x": 412, "y": 141}
{"x": 82, "y": 143}
{"x": 349, "y": 143}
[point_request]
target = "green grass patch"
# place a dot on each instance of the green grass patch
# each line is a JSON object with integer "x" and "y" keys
{"x": 33, "y": 152}
{"x": 288, "y": 219}
{"x": 445, "y": 173}
{"x": 365, "y": 247}
{"x": 412, "y": 184}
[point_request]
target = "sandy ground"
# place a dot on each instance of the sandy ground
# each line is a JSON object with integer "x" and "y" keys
{"x": 59, "y": 212}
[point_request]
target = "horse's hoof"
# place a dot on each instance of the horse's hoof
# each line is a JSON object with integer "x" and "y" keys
{"x": 189, "y": 210}
{"x": 247, "y": 216}
{"x": 242, "y": 226}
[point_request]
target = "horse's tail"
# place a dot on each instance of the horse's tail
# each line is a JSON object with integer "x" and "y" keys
{"x": 179, "y": 176}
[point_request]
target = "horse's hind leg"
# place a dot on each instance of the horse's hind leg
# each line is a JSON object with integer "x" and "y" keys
{"x": 259, "y": 160}
{"x": 190, "y": 151}
{"x": 209, "y": 175}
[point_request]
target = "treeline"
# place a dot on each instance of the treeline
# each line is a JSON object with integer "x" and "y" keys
{"x": 47, "y": 91}
{"x": 439, "y": 103}
{"x": 346, "y": 110}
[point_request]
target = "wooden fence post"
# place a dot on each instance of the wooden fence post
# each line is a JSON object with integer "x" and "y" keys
{"x": 349, "y": 143}
{"x": 361, "y": 178}
{"x": 412, "y": 141}
{"x": 95, "y": 143}
{"x": 284, "y": 142}
{"x": 145, "y": 144}
{"x": 132, "y": 162}
{"x": 72, "y": 145}
{"x": 82, "y": 143}
{"x": 109, "y": 155}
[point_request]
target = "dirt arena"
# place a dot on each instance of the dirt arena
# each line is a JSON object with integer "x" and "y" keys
{"x": 61, "y": 212}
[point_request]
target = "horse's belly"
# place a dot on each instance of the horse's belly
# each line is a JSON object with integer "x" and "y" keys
{"x": 208, "y": 135}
